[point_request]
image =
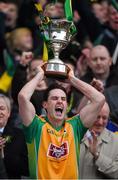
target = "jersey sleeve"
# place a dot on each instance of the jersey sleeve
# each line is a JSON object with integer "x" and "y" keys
{"x": 81, "y": 128}
{"x": 78, "y": 127}
{"x": 33, "y": 129}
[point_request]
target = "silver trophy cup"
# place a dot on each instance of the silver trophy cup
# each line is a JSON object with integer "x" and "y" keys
{"x": 59, "y": 34}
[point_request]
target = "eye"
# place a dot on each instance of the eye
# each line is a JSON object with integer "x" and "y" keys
{"x": 105, "y": 118}
{"x": 2, "y": 108}
{"x": 54, "y": 98}
{"x": 63, "y": 98}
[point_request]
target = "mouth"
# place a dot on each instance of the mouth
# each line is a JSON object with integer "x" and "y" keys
{"x": 59, "y": 111}
{"x": 8, "y": 18}
{"x": 1, "y": 116}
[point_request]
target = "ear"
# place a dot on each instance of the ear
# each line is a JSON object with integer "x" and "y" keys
{"x": 110, "y": 62}
{"x": 44, "y": 104}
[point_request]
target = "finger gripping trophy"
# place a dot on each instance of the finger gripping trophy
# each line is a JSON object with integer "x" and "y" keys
{"x": 58, "y": 32}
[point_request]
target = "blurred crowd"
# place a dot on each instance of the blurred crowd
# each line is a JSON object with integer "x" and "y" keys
{"x": 92, "y": 54}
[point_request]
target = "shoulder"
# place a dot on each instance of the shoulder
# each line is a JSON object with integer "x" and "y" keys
{"x": 76, "y": 122}
{"x": 73, "y": 118}
{"x": 112, "y": 136}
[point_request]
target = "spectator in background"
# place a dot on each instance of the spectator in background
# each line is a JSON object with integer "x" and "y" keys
{"x": 9, "y": 11}
{"x": 105, "y": 35}
{"x": 98, "y": 150}
{"x": 99, "y": 64}
{"x": 100, "y": 13}
{"x": 105, "y": 8}
{"x": 82, "y": 64}
{"x": 12, "y": 143}
{"x": 111, "y": 95}
{"x": 3, "y": 174}
{"x": 54, "y": 10}
{"x": 25, "y": 71}
{"x": 17, "y": 41}
{"x": 8, "y": 22}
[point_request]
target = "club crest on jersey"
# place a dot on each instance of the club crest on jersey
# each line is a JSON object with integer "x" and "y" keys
{"x": 58, "y": 151}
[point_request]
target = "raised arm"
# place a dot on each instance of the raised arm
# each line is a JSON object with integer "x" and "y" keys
{"x": 26, "y": 108}
{"x": 90, "y": 111}
{"x": 97, "y": 84}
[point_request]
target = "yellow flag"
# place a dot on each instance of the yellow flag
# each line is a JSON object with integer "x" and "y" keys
{"x": 45, "y": 53}
{"x": 5, "y": 82}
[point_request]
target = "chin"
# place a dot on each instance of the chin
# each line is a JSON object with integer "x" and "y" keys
{"x": 59, "y": 118}
{"x": 98, "y": 130}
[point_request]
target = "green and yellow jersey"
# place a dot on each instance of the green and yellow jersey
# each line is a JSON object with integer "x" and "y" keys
{"x": 54, "y": 153}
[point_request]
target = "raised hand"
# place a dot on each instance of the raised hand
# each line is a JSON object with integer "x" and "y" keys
{"x": 93, "y": 144}
{"x": 97, "y": 84}
{"x": 70, "y": 71}
{"x": 26, "y": 57}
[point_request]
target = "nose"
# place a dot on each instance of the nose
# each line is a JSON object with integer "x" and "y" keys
{"x": 100, "y": 121}
{"x": 98, "y": 61}
{"x": 59, "y": 100}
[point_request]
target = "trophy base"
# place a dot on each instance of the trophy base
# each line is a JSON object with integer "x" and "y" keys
{"x": 56, "y": 70}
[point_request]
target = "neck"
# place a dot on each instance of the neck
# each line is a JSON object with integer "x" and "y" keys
{"x": 102, "y": 77}
{"x": 55, "y": 122}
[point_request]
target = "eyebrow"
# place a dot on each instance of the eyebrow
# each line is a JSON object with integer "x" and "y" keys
{"x": 58, "y": 97}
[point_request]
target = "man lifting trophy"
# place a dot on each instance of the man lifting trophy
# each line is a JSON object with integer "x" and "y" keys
{"x": 58, "y": 32}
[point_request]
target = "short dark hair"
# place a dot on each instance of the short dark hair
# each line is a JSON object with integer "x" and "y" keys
{"x": 51, "y": 87}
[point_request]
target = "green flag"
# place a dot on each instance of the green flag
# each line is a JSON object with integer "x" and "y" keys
{"x": 114, "y": 4}
{"x": 68, "y": 10}
{"x": 10, "y": 67}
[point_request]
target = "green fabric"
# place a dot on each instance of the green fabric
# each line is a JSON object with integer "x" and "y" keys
{"x": 69, "y": 15}
{"x": 32, "y": 159}
{"x": 68, "y": 10}
{"x": 114, "y": 4}
{"x": 35, "y": 132}
{"x": 32, "y": 135}
{"x": 10, "y": 67}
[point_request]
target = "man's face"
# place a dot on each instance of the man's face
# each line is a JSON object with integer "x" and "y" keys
{"x": 98, "y": 11}
{"x": 55, "y": 10}
{"x": 31, "y": 72}
{"x": 100, "y": 61}
{"x": 65, "y": 85}
{"x": 26, "y": 41}
{"x": 11, "y": 15}
{"x": 113, "y": 18}
{"x": 102, "y": 120}
{"x": 4, "y": 113}
{"x": 56, "y": 105}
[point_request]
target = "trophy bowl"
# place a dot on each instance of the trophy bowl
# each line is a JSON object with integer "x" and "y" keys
{"x": 59, "y": 35}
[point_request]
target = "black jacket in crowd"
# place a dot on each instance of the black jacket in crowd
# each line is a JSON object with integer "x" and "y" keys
{"x": 15, "y": 153}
